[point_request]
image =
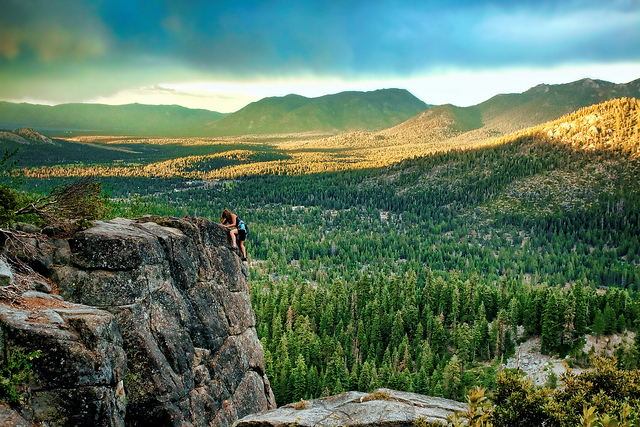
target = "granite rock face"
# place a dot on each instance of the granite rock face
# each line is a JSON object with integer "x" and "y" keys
{"x": 381, "y": 408}
{"x": 155, "y": 328}
{"x": 79, "y": 379}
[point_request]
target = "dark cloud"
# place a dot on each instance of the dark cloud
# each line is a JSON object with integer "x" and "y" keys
{"x": 138, "y": 40}
{"x": 50, "y": 31}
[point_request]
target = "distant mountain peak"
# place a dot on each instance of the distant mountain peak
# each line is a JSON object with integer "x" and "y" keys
{"x": 541, "y": 88}
{"x": 589, "y": 83}
{"x": 341, "y": 112}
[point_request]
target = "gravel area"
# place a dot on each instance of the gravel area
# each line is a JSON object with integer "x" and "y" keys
{"x": 538, "y": 366}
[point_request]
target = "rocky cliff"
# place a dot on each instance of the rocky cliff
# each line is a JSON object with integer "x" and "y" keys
{"x": 140, "y": 322}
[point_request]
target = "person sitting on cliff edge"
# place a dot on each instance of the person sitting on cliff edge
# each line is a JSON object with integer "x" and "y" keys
{"x": 238, "y": 229}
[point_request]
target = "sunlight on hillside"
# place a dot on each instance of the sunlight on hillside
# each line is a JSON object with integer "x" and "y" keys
{"x": 612, "y": 125}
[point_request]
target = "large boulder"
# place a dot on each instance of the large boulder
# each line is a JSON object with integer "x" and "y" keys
{"x": 381, "y": 408}
{"x": 179, "y": 302}
{"x": 79, "y": 377}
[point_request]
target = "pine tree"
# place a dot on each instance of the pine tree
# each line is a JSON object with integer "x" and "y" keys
{"x": 299, "y": 379}
{"x": 421, "y": 382}
{"x": 550, "y": 330}
{"x": 439, "y": 336}
{"x": 628, "y": 357}
{"x": 336, "y": 376}
{"x": 610, "y": 320}
{"x": 436, "y": 382}
{"x": 455, "y": 306}
{"x": 363, "y": 289}
{"x": 451, "y": 378}
{"x": 314, "y": 385}
{"x": 598, "y": 324}
{"x": 580, "y": 316}
{"x": 308, "y": 303}
{"x": 515, "y": 316}
{"x": 365, "y": 382}
{"x": 621, "y": 324}
{"x": 397, "y": 330}
{"x": 354, "y": 376}
{"x": 268, "y": 362}
{"x": 481, "y": 336}
{"x": 337, "y": 387}
{"x": 283, "y": 388}
{"x": 463, "y": 342}
{"x": 404, "y": 382}
{"x": 385, "y": 374}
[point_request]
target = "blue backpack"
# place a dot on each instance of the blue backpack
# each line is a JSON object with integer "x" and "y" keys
{"x": 242, "y": 226}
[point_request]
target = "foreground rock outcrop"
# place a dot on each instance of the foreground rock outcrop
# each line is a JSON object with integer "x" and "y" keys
{"x": 381, "y": 408}
{"x": 142, "y": 322}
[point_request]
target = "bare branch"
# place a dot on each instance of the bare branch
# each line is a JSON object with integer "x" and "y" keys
{"x": 18, "y": 243}
{"x": 79, "y": 200}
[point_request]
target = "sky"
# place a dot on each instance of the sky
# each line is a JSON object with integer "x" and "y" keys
{"x": 222, "y": 55}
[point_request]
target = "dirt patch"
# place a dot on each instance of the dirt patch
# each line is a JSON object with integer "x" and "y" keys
{"x": 606, "y": 345}
{"x": 538, "y": 366}
{"x": 22, "y": 294}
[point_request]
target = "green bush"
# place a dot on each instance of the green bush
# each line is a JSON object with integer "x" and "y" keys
{"x": 8, "y": 205}
{"x": 16, "y": 368}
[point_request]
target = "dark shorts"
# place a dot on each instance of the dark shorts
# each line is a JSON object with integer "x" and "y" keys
{"x": 242, "y": 234}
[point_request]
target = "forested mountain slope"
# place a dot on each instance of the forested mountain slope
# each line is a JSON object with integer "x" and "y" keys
{"x": 544, "y": 102}
{"x": 612, "y": 126}
{"x": 451, "y": 127}
{"x": 417, "y": 276}
{"x": 342, "y": 112}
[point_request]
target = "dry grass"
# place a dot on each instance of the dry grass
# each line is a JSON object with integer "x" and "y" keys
{"x": 377, "y": 395}
{"x": 302, "y": 404}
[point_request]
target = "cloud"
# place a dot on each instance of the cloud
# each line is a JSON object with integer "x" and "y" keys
{"x": 49, "y": 31}
{"x": 560, "y": 35}
{"x": 257, "y": 37}
{"x": 73, "y": 50}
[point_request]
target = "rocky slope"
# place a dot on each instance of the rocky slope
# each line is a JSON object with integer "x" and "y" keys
{"x": 140, "y": 322}
{"x": 25, "y": 136}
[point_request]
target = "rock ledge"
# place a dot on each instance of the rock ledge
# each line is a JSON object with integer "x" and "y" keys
{"x": 381, "y": 408}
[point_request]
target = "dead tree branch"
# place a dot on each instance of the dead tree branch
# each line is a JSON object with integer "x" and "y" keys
{"x": 78, "y": 200}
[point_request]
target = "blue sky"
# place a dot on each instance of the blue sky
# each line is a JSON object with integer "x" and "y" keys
{"x": 221, "y": 55}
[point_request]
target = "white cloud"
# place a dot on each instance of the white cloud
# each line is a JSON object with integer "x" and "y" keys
{"x": 458, "y": 87}
{"x": 524, "y": 28}
{"x": 465, "y": 88}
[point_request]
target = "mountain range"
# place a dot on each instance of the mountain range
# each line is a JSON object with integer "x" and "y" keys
{"x": 394, "y": 112}
{"x": 506, "y": 113}
{"x": 342, "y": 112}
